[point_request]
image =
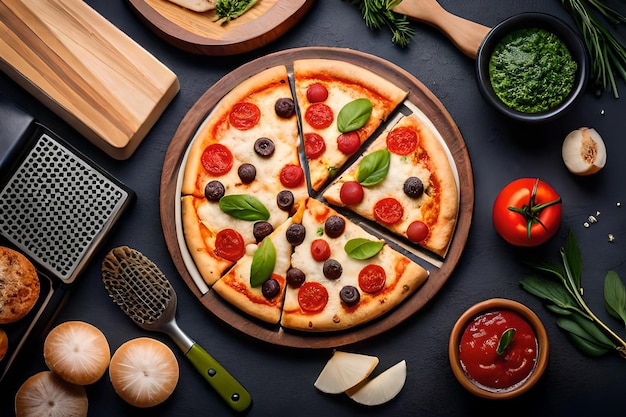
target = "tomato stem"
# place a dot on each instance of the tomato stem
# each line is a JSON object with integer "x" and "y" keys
{"x": 531, "y": 211}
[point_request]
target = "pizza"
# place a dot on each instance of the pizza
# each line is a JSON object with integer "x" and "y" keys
{"x": 255, "y": 224}
{"x": 341, "y": 105}
{"x": 242, "y": 172}
{"x": 403, "y": 182}
{"x": 344, "y": 275}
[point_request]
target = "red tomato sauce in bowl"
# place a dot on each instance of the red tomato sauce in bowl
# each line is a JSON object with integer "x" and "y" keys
{"x": 478, "y": 350}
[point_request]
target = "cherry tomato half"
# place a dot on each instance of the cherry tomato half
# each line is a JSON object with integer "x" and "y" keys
{"x": 527, "y": 212}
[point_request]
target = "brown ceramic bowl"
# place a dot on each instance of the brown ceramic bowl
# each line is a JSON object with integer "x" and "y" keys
{"x": 498, "y": 304}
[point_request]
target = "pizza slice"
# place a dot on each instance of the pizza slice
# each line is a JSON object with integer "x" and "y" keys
{"x": 243, "y": 168}
{"x": 256, "y": 283}
{"x": 340, "y": 275}
{"x": 405, "y": 182}
{"x": 341, "y": 105}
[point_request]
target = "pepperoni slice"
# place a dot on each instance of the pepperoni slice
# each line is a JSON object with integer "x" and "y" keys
{"x": 217, "y": 159}
{"x": 348, "y": 143}
{"x": 229, "y": 245}
{"x": 388, "y": 211}
{"x": 402, "y": 141}
{"x": 372, "y": 278}
{"x": 312, "y": 297}
{"x": 320, "y": 250}
{"x": 314, "y": 145}
{"x": 291, "y": 176}
{"x": 319, "y": 116}
{"x": 417, "y": 231}
{"x": 244, "y": 115}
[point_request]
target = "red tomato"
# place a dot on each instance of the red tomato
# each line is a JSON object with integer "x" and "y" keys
{"x": 348, "y": 143}
{"x": 351, "y": 192}
{"x": 388, "y": 211}
{"x": 314, "y": 145}
{"x": 217, "y": 159}
{"x": 320, "y": 250}
{"x": 229, "y": 244}
{"x": 372, "y": 278}
{"x": 316, "y": 93}
{"x": 527, "y": 212}
{"x": 291, "y": 176}
{"x": 417, "y": 231}
{"x": 312, "y": 297}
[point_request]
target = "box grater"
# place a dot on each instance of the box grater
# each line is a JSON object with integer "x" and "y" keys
{"x": 56, "y": 207}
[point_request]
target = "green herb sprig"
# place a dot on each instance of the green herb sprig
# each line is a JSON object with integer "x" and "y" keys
{"x": 227, "y": 10}
{"x": 379, "y": 13}
{"x": 606, "y": 51}
{"x": 564, "y": 297}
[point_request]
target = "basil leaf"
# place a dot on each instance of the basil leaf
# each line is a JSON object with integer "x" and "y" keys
{"x": 263, "y": 262}
{"x": 505, "y": 340}
{"x": 615, "y": 296}
{"x": 374, "y": 167}
{"x": 354, "y": 115}
{"x": 360, "y": 248}
{"x": 244, "y": 207}
{"x": 573, "y": 261}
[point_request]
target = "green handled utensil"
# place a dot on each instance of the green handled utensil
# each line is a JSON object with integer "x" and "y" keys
{"x": 145, "y": 295}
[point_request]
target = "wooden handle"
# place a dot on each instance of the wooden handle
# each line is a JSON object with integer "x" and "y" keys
{"x": 465, "y": 34}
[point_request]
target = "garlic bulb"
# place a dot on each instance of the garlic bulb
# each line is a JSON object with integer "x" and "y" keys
{"x": 584, "y": 152}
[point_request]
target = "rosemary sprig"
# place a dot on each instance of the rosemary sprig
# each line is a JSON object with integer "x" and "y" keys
{"x": 564, "y": 297}
{"x": 378, "y": 14}
{"x": 606, "y": 52}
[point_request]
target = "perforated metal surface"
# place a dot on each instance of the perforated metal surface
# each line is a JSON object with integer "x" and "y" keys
{"x": 56, "y": 207}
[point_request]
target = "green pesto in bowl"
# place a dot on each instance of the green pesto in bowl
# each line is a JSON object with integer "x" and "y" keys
{"x": 531, "y": 70}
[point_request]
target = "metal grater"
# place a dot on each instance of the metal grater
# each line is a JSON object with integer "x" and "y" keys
{"x": 57, "y": 207}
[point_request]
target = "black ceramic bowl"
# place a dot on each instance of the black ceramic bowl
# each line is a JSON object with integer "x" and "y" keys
{"x": 552, "y": 24}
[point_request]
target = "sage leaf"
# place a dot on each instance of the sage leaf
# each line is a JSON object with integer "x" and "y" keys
{"x": 263, "y": 262}
{"x": 585, "y": 346}
{"x": 615, "y": 296}
{"x": 573, "y": 261}
{"x": 505, "y": 340}
{"x": 374, "y": 167}
{"x": 244, "y": 207}
{"x": 585, "y": 335}
{"x": 551, "y": 291}
{"x": 360, "y": 248}
{"x": 354, "y": 115}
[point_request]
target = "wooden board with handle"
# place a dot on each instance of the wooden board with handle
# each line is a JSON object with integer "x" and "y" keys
{"x": 86, "y": 70}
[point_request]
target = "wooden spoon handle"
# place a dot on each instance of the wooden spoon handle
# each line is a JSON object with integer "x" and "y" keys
{"x": 465, "y": 34}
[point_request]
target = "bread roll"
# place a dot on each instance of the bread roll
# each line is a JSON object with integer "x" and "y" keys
{"x": 19, "y": 285}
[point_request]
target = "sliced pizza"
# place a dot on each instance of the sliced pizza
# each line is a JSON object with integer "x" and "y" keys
{"x": 243, "y": 167}
{"x": 256, "y": 283}
{"x": 405, "y": 182}
{"x": 341, "y": 105}
{"x": 340, "y": 275}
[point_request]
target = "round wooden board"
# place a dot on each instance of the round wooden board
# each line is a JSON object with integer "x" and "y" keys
{"x": 200, "y": 33}
{"x": 420, "y": 96}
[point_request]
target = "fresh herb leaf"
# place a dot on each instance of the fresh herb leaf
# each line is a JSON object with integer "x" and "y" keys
{"x": 606, "y": 51}
{"x": 615, "y": 296}
{"x": 584, "y": 328}
{"x": 354, "y": 115}
{"x": 505, "y": 340}
{"x": 360, "y": 248}
{"x": 374, "y": 167}
{"x": 227, "y": 10}
{"x": 263, "y": 262}
{"x": 379, "y": 13}
{"x": 244, "y": 207}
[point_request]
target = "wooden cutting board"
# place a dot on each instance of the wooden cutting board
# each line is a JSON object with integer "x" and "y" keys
{"x": 86, "y": 70}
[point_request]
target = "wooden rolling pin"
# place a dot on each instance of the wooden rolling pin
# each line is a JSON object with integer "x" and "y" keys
{"x": 465, "y": 34}
{"x": 86, "y": 70}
